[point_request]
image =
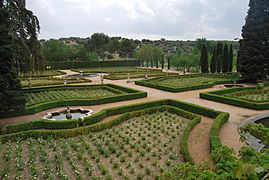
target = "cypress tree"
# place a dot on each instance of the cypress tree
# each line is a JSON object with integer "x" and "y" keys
{"x": 231, "y": 56}
{"x": 219, "y": 57}
{"x": 162, "y": 61}
{"x": 168, "y": 62}
{"x": 204, "y": 59}
{"x": 213, "y": 63}
{"x": 253, "y": 54}
{"x": 225, "y": 59}
{"x": 10, "y": 96}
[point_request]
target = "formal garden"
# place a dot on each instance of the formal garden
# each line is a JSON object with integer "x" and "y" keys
{"x": 132, "y": 109}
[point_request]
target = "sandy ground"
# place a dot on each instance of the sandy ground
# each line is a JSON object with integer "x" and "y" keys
{"x": 199, "y": 147}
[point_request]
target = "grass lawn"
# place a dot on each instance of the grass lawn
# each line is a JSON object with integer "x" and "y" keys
{"x": 116, "y": 76}
{"x": 141, "y": 147}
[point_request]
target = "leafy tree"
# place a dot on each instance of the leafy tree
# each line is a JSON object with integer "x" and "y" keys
{"x": 150, "y": 54}
{"x": 98, "y": 43}
{"x": 225, "y": 59}
{"x": 113, "y": 46}
{"x": 204, "y": 59}
{"x": 219, "y": 57}
{"x": 19, "y": 48}
{"x": 54, "y": 50}
{"x": 213, "y": 63}
{"x": 127, "y": 47}
{"x": 253, "y": 54}
{"x": 203, "y": 41}
{"x": 231, "y": 56}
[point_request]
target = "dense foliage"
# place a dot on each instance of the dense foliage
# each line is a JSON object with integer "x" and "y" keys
{"x": 253, "y": 55}
{"x": 150, "y": 55}
{"x": 55, "y": 50}
{"x": 249, "y": 165}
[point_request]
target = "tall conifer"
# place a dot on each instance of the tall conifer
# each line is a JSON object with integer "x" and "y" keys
{"x": 253, "y": 54}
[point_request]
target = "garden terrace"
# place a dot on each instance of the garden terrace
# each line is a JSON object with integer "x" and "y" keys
{"x": 248, "y": 97}
{"x": 188, "y": 82}
{"x": 51, "y": 81}
{"x": 39, "y": 99}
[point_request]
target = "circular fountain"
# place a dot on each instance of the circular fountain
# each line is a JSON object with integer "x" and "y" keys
{"x": 65, "y": 114}
{"x": 252, "y": 141}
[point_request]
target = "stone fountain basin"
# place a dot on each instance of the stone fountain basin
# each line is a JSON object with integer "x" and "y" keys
{"x": 61, "y": 114}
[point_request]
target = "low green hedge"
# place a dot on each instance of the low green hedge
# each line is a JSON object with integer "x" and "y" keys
{"x": 118, "y": 76}
{"x": 204, "y": 85}
{"x": 71, "y": 128}
{"x": 219, "y": 96}
{"x": 214, "y": 141}
{"x": 128, "y": 95}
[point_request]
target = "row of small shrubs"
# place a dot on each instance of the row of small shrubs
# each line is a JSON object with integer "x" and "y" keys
{"x": 70, "y": 128}
{"x": 204, "y": 85}
{"x": 128, "y": 95}
{"x": 91, "y": 64}
{"x": 219, "y": 96}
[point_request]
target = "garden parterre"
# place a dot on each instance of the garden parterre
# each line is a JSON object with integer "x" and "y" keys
{"x": 139, "y": 147}
{"x": 71, "y": 93}
{"x": 261, "y": 95}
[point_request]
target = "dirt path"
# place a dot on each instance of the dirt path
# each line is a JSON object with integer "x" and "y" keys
{"x": 199, "y": 147}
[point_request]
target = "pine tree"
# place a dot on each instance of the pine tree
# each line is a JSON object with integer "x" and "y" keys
{"x": 231, "y": 56}
{"x": 213, "y": 63}
{"x": 10, "y": 96}
{"x": 225, "y": 59}
{"x": 204, "y": 59}
{"x": 219, "y": 57}
{"x": 253, "y": 54}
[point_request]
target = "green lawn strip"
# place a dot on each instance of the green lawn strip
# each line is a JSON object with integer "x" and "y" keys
{"x": 128, "y": 94}
{"x": 188, "y": 82}
{"x": 221, "y": 96}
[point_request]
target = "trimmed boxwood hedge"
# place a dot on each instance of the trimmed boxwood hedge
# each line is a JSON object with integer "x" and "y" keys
{"x": 128, "y": 94}
{"x": 219, "y": 96}
{"x": 71, "y": 128}
{"x": 205, "y": 85}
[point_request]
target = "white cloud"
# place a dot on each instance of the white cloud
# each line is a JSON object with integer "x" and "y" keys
{"x": 172, "y": 19}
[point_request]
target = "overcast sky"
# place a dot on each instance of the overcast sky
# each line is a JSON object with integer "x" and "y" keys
{"x": 141, "y": 19}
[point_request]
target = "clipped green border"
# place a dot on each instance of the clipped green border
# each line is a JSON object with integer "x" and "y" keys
{"x": 218, "y": 96}
{"x": 188, "y": 88}
{"x": 71, "y": 128}
{"x": 128, "y": 95}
